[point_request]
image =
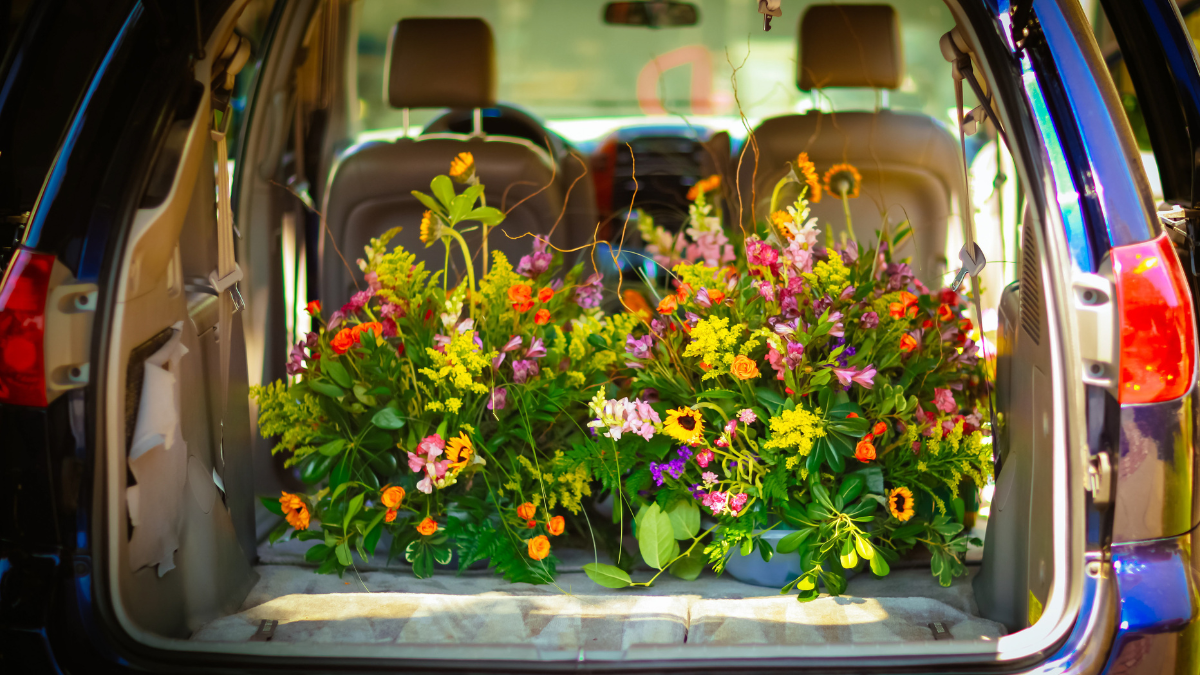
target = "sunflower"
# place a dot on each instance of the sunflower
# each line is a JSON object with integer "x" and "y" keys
{"x": 684, "y": 425}
{"x": 900, "y": 503}
{"x": 808, "y": 171}
{"x": 843, "y": 179}
{"x": 431, "y": 228}
{"x": 458, "y": 451}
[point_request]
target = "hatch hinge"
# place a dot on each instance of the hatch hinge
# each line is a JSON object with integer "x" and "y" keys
{"x": 1096, "y": 317}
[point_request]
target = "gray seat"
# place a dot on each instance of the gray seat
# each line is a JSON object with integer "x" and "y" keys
{"x": 370, "y": 188}
{"x": 910, "y": 163}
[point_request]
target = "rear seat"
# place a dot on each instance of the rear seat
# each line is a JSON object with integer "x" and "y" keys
{"x": 909, "y": 162}
{"x": 436, "y": 63}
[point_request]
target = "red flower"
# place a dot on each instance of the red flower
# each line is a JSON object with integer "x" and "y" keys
{"x": 945, "y": 314}
{"x": 667, "y": 305}
{"x": 948, "y": 296}
{"x": 542, "y": 317}
{"x": 927, "y": 323}
{"x": 879, "y": 429}
{"x": 344, "y": 340}
{"x": 864, "y": 451}
{"x": 313, "y": 307}
{"x": 531, "y": 524}
{"x": 545, "y": 294}
{"x": 851, "y": 416}
{"x": 965, "y": 325}
{"x": 907, "y": 343}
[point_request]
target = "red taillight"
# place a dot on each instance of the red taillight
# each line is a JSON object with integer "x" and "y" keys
{"x": 1158, "y": 329}
{"x": 22, "y": 328}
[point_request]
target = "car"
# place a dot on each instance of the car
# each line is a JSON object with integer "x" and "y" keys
{"x": 182, "y": 179}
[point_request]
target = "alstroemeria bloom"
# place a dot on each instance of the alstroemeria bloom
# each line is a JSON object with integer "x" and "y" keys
{"x": 639, "y": 348}
{"x": 537, "y": 349}
{"x": 499, "y": 399}
{"x": 513, "y": 342}
{"x": 865, "y": 377}
{"x": 524, "y": 369}
{"x": 943, "y": 399}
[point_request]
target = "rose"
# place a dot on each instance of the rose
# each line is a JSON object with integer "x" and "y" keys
{"x": 556, "y": 525}
{"x": 744, "y": 368}
{"x": 526, "y": 511}
{"x": 531, "y": 524}
{"x": 391, "y": 496}
{"x": 667, "y": 305}
{"x": 879, "y": 429}
{"x": 344, "y": 340}
{"x": 427, "y": 526}
{"x": 542, "y": 317}
{"x": 864, "y": 451}
{"x": 313, "y": 307}
{"x": 389, "y": 516}
{"x": 539, "y": 547}
{"x": 545, "y": 294}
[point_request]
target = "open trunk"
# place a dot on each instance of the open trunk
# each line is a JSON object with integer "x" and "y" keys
{"x": 196, "y": 574}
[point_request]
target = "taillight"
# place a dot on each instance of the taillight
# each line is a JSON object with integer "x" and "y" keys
{"x": 22, "y": 328}
{"x": 1158, "y": 330}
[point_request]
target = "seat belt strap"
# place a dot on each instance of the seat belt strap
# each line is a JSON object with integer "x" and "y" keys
{"x": 228, "y": 272}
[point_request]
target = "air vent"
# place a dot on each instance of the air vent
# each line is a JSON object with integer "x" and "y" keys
{"x": 1031, "y": 284}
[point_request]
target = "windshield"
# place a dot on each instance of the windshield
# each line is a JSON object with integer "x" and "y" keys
{"x": 590, "y": 78}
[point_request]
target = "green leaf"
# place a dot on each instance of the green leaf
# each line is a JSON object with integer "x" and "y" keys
{"x": 716, "y": 394}
{"x": 428, "y": 201}
{"x": 272, "y": 504}
{"x": 685, "y": 518}
{"x": 327, "y": 389}
{"x": 765, "y": 550}
{"x": 873, "y": 477}
{"x": 855, "y": 426}
{"x": 851, "y": 487}
{"x": 597, "y": 341}
{"x": 879, "y": 566}
{"x": 338, "y": 372}
{"x": 821, "y": 495}
{"x": 317, "y": 552}
{"x": 769, "y": 399}
{"x": 356, "y": 503}
{"x": 442, "y": 554}
{"x": 374, "y": 531}
{"x": 864, "y": 548}
{"x": 387, "y": 418}
{"x": 460, "y": 206}
{"x": 656, "y": 538}
{"x": 690, "y": 566}
{"x": 443, "y": 189}
{"x": 316, "y": 469}
{"x": 835, "y": 582}
{"x": 747, "y": 546}
{"x": 341, "y": 473}
{"x": 849, "y": 560}
{"x": 343, "y": 554}
{"x": 413, "y": 549}
{"x": 806, "y": 583}
{"x": 607, "y": 576}
{"x": 487, "y": 215}
{"x": 793, "y": 541}
{"x": 332, "y": 447}
{"x": 948, "y": 529}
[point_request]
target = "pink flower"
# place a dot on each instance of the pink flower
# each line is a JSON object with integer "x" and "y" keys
{"x": 943, "y": 399}
{"x": 737, "y": 502}
{"x": 844, "y": 375}
{"x": 747, "y": 416}
{"x": 704, "y": 457}
{"x": 372, "y": 280}
{"x": 536, "y": 349}
{"x": 721, "y": 442}
{"x": 865, "y": 378}
{"x": 717, "y": 502}
{"x": 513, "y": 342}
{"x": 731, "y": 426}
{"x": 709, "y": 478}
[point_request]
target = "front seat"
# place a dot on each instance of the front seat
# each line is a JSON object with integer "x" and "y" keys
{"x": 909, "y": 162}
{"x": 435, "y": 63}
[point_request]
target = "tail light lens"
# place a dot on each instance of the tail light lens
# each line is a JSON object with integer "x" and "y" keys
{"x": 1158, "y": 329}
{"x": 22, "y": 328}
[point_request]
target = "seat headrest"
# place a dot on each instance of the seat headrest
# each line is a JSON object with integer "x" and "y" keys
{"x": 850, "y": 46}
{"x": 441, "y": 63}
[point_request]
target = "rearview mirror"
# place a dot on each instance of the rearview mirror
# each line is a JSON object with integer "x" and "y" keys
{"x": 651, "y": 14}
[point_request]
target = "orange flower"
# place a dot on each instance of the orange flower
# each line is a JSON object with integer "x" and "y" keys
{"x": 744, "y": 368}
{"x": 683, "y": 292}
{"x": 539, "y": 547}
{"x": 290, "y": 502}
{"x": 716, "y": 297}
{"x": 704, "y": 187}
{"x": 907, "y": 305}
{"x": 521, "y": 297}
{"x": 667, "y": 305}
{"x": 545, "y": 294}
{"x": 462, "y": 167}
{"x": 808, "y": 171}
{"x": 843, "y": 179}
{"x": 313, "y": 307}
{"x": 945, "y": 314}
{"x": 851, "y": 416}
{"x": 541, "y": 317}
{"x": 389, "y": 516}
{"x": 526, "y": 511}
{"x": 344, "y": 340}
{"x": 391, "y": 496}
{"x": 637, "y": 305}
{"x": 298, "y": 518}
{"x": 879, "y": 429}
{"x": 372, "y": 326}
{"x": 556, "y": 525}
{"x": 907, "y": 343}
{"x": 531, "y": 524}
{"x": 864, "y": 451}
{"x": 427, "y": 526}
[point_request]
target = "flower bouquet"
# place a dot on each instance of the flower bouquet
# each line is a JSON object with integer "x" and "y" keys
{"x": 811, "y": 386}
{"x": 437, "y": 412}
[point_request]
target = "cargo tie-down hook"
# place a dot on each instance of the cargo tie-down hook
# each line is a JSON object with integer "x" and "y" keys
{"x": 769, "y": 9}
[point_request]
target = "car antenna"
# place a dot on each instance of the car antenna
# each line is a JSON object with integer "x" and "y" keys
{"x": 769, "y": 9}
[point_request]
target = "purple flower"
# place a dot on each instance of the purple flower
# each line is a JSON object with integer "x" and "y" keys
{"x": 335, "y": 319}
{"x": 524, "y": 369}
{"x": 703, "y": 299}
{"x": 844, "y": 375}
{"x": 513, "y": 342}
{"x": 498, "y": 399}
{"x": 537, "y": 262}
{"x": 684, "y": 451}
{"x": 639, "y": 348}
{"x": 869, "y": 320}
{"x": 656, "y": 470}
{"x": 295, "y": 364}
{"x": 650, "y": 395}
{"x": 747, "y": 416}
{"x": 536, "y": 349}
{"x": 821, "y": 304}
{"x": 311, "y": 340}
{"x": 587, "y": 294}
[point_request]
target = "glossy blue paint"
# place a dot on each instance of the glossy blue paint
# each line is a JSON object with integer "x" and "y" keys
{"x": 1119, "y": 181}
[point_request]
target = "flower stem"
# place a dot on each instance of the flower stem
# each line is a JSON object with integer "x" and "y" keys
{"x": 846, "y": 209}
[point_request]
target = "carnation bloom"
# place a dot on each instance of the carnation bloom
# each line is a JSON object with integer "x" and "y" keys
{"x": 427, "y": 526}
{"x": 545, "y": 294}
{"x": 747, "y": 416}
{"x": 900, "y": 503}
{"x": 539, "y": 547}
{"x": 521, "y": 297}
{"x": 343, "y": 341}
{"x": 668, "y": 305}
{"x": 556, "y": 525}
{"x": 704, "y": 458}
{"x": 389, "y": 515}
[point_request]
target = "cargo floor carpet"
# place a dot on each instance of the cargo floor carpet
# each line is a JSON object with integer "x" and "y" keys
{"x": 376, "y": 605}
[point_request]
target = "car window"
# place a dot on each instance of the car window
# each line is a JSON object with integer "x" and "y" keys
{"x": 587, "y": 80}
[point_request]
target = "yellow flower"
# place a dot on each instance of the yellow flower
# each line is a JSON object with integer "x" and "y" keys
{"x": 462, "y": 167}
{"x": 843, "y": 181}
{"x": 458, "y": 451}
{"x": 808, "y": 171}
{"x": 900, "y": 503}
{"x": 431, "y": 228}
{"x": 794, "y": 429}
{"x": 684, "y": 425}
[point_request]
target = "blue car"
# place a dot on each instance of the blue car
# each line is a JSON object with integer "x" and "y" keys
{"x": 178, "y": 180}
